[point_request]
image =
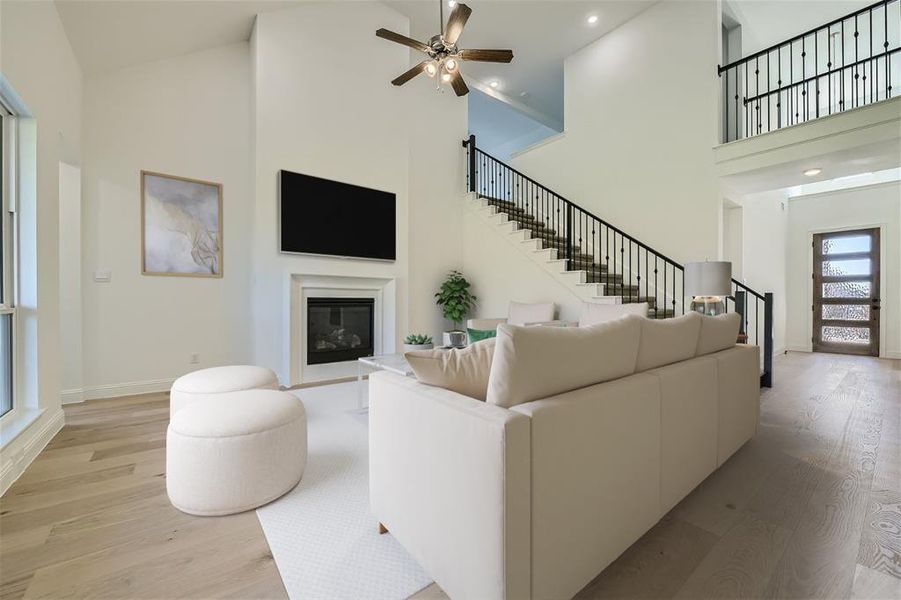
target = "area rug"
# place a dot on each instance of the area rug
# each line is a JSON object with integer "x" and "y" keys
{"x": 322, "y": 534}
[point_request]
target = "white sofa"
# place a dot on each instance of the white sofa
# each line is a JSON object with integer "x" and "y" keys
{"x": 534, "y": 500}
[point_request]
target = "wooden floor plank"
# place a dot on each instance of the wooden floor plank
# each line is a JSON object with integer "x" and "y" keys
{"x": 808, "y": 509}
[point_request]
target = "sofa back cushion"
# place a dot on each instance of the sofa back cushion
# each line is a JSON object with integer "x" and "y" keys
{"x": 718, "y": 333}
{"x": 592, "y": 313}
{"x": 537, "y": 362}
{"x": 520, "y": 313}
{"x": 461, "y": 370}
{"x": 665, "y": 341}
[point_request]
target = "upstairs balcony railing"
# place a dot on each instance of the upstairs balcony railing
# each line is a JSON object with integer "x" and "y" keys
{"x": 847, "y": 63}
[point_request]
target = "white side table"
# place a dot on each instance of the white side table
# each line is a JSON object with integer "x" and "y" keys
{"x": 396, "y": 363}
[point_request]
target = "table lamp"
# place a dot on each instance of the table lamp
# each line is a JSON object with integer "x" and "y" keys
{"x": 708, "y": 283}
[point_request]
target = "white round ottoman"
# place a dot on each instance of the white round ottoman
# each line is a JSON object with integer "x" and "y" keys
{"x": 235, "y": 451}
{"x": 217, "y": 380}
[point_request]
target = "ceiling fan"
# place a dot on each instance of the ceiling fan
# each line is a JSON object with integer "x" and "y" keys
{"x": 444, "y": 56}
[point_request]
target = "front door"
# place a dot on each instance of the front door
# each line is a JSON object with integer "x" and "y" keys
{"x": 846, "y": 292}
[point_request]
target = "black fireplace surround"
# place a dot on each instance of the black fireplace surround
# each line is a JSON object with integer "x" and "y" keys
{"x": 339, "y": 329}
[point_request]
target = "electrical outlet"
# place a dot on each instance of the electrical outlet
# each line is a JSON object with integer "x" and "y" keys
{"x": 195, "y": 358}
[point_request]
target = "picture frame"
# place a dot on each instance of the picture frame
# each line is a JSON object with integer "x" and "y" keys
{"x": 181, "y": 226}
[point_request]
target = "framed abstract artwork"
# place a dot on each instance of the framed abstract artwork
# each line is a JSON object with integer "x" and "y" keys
{"x": 181, "y": 226}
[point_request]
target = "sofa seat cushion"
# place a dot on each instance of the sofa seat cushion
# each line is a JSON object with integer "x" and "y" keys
{"x": 592, "y": 313}
{"x": 718, "y": 333}
{"x": 665, "y": 341}
{"x": 461, "y": 370}
{"x": 520, "y": 313}
{"x": 537, "y": 362}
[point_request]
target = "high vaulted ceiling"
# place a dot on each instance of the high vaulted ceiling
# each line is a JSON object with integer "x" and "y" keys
{"x": 540, "y": 33}
{"x": 110, "y": 34}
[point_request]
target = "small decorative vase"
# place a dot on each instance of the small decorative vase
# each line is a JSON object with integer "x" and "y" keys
{"x": 454, "y": 339}
{"x": 415, "y": 347}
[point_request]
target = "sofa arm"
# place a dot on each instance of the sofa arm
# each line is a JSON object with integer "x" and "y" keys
{"x": 449, "y": 476}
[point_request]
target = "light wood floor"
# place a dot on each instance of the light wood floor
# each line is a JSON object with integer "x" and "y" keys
{"x": 810, "y": 508}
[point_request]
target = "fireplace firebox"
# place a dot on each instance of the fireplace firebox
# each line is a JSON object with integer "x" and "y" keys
{"x": 339, "y": 329}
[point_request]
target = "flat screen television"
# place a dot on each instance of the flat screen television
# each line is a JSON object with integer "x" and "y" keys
{"x": 320, "y": 216}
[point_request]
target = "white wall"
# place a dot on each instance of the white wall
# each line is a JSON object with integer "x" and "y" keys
{"x": 732, "y": 238}
{"x": 872, "y": 206}
{"x": 499, "y": 272}
{"x": 186, "y": 116}
{"x": 319, "y": 110}
{"x": 764, "y": 227}
{"x": 641, "y": 119}
{"x": 37, "y": 62}
{"x": 70, "y": 278}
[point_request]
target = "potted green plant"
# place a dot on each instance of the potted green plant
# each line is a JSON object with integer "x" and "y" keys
{"x": 455, "y": 301}
{"x": 417, "y": 341}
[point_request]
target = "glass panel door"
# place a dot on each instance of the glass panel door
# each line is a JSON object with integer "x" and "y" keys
{"x": 846, "y": 292}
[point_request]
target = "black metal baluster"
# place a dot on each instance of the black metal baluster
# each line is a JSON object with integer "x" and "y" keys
{"x": 805, "y": 111}
{"x": 779, "y": 90}
{"x": 816, "y": 62}
{"x": 888, "y": 67}
{"x": 768, "y": 91}
{"x": 841, "y": 101}
{"x": 856, "y": 94}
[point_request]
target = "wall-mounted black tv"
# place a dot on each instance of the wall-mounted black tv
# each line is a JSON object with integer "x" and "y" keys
{"x": 320, "y": 216}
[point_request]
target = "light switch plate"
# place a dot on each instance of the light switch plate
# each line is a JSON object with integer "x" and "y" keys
{"x": 102, "y": 276}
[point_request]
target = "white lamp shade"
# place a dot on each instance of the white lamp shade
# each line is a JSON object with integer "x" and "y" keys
{"x": 711, "y": 278}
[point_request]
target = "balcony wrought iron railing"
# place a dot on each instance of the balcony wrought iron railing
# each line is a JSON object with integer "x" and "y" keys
{"x": 626, "y": 267}
{"x": 847, "y": 63}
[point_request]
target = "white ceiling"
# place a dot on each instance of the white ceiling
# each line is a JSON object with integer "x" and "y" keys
{"x": 768, "y": 22}
{"x": 110, "y": 34}
{"x": 842, "y": 163}
{"x": 540, "y": 33}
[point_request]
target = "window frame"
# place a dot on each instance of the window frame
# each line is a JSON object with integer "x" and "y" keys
{"x": 9, "y": 242}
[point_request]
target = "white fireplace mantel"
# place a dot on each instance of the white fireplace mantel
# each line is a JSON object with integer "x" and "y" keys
{"x": 382, "y": 290}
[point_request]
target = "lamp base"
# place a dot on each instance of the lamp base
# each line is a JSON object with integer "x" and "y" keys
{"x": 708, "y": 305}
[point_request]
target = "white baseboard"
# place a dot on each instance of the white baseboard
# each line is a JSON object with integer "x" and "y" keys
{"x": 115, "y": 390}
{"x": 13, "y": 467}
{"x": 71, "y": 396}
{"x": 799, "y": 348}
{"x": 892, "y": 355}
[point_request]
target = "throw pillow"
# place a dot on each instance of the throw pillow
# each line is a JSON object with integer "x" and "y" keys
{"x": 477, "y": 335}
{"x": 718, "y": 333}
{"x": 665, "y": 341}
{"x": 520, "y": 313}
{"x": 461, "y": 370}
{"x": 538, "y": 362}
{"x": 592, "y": 313}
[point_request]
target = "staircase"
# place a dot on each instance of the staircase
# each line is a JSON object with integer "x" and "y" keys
{"x": 602, "y": 263}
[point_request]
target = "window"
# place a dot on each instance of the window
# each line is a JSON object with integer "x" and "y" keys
{"x": 7, "y": 260}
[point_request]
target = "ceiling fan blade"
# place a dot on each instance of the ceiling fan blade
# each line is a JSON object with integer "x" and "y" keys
{"x": 401, "y": 39}
{"x": 499, "y": 56}
{"x": 455, "y": 23}
{"x": 408, "y": 75}
{"x": 458, "y": 84}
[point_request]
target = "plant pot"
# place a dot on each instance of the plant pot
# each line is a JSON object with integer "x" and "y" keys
{"x": 415, "y": 347}
{"x": 454, "y": 339}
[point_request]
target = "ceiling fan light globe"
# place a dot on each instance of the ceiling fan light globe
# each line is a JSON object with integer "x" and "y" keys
{"x": 445, "y": 77}
{"x": 450, "y": 64}
{"x": 431, "y": 69}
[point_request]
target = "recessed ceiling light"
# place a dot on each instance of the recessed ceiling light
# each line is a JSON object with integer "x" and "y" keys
{"x": 592, "y": 19}
{"x": 494, "y": 83}
{"x": 813, "y": 172}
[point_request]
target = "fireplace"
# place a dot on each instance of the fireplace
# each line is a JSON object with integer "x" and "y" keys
{"x": 339, "y": 329}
